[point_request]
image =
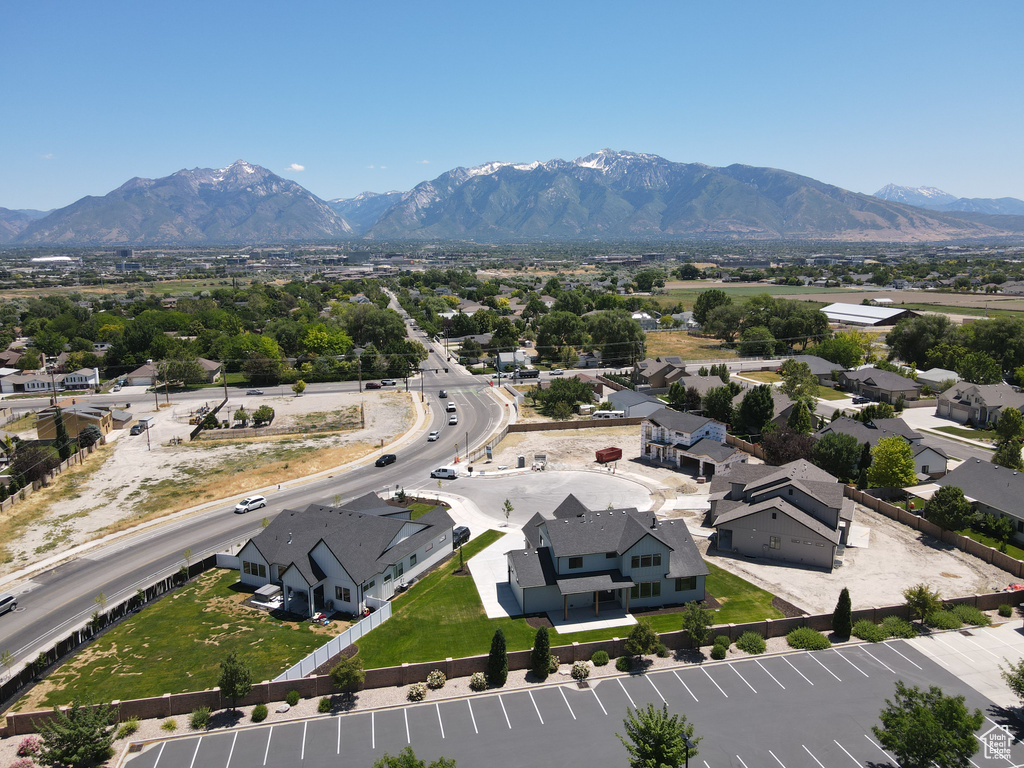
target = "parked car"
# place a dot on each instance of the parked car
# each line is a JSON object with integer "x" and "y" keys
{"x": 251, "y": 503}
{"x": 387, "y": 382}
{"x": 433, "y": 436}
{"x": 556, "y": 371}
{"x": 460, "y": 536}
{"x": 443, "y": 394}
{"x": 254, "y": 392}
{"x": 387, "y": 458}
{"x": 8, "y": 602}
{"x": 373, "y": 385}
{"x": 445, "y": 473}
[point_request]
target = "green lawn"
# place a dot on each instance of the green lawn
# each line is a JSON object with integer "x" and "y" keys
{"x": 178, "y": 643}
{"x": 973, "y": 434}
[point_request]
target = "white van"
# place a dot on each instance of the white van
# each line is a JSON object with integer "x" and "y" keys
{"x": 445, "y": 473}
{"x": 609, "y": 414}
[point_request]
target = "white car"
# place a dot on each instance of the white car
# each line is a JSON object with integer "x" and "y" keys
{"x": 433, "y": 436}
{"x": 251, "y": 503}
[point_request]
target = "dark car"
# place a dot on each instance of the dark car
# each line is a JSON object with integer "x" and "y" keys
{"x": 373, "y": 385}
{"x": 387, "y": 458}
{"x": 460, "y": 536}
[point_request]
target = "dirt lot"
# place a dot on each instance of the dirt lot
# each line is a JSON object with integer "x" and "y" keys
{"x": 125, "y": 483}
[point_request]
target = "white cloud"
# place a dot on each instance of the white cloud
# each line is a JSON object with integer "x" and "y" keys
{"x": 296, "y": 167}
{"x": 423, "y": 162}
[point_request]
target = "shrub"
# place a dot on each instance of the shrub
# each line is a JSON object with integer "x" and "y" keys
{"x": 1006, "y": 610}
{"x": 807, "y": 639}
{"x": 553, "y": 663}
{"x": 199, "y": 718}
{"x": 662, "y": 651}
{"x": 869, "y": 631}
{"x": 259, "y": 713}
{"x": 324, "y": 705}
{"x": 600, "y": 658}
{"x": 894, "y": 626}
{"x": 624, "y": 663}
{"x": 436, "y": 679}
{"x": 478, "y": 681}
{"x": 417, "y": 692}
{"x": 752, "y": 643}
{"x": 127, "y": 728}
{"x": 718, "y": 652}
{"x": 29, "y": 746}
{"x": 580, "y": 670}
{"x": 170, "y": 725}
{"x": 943, "y": 620}
{"x": 292, "y": 697}
{"x": 723, "y": 640}
{"x": 968, "y": 614}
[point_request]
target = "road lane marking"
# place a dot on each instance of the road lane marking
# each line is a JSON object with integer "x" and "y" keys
{"x": 626, "y": 692}
{"x": 439, "y": 719}
{"x": 850, "y": 663}
{"x": 847, "y": 753}
{"x": 777, "y": 759}
{"x": 270, "y": 735}
{"x": 561, "y": 690}
{"x": 656, "y": 690}
{"x": 890, "y": 757}
{"x": 812, "y": 756}
{"x": 811, "y": 655}
{"x": 408, "y": 738}
{"x": 713, "y": 681}
{"x": 302, "y": 754}
{"x": 535, "y": 707}
{"x": 893, "y": 649}
{"x": 158, "y": 754}
{"x": 769, "y": 674}
{"x": 594, "y": 691}
{"x": 741, "y": 677}
{"x": 504, "y": 712}
{"x": 869, "y": 653}
{"x": 472, "y": 716}
{"x": 684, "y": 685}
{"x": 797, "y": 670}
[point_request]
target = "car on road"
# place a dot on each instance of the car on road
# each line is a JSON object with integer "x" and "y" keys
{"x": 373, "y": 385}
{"x": 8, "y": 602}
{"x": 387, "y": 382}
{"x": 433, "y": 436}
{"x": 254, "y": 392}
{"x": 556, "y": 371}
{"x": 460, "y": 536}
{"x": 250, "y": 503}
{"x": 387, "y": 458}
{"x": 443, "y": 394}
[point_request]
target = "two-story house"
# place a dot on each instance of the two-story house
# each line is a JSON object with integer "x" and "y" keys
{"x": 679, "y": 439}
{"x": 338, "y": 558}
{"x": 795, "y": 513}
{"x": 978, "y": 404}
{"x": 578, "y": 558}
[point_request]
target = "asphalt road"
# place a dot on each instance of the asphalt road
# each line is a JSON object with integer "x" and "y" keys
{"x": 802, "y": 710}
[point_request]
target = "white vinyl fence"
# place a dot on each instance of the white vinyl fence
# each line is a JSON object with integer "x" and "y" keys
{"x": 336, "y": 645}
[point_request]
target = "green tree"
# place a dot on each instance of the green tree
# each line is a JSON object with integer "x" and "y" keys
{"x": 892, "y": 464}
{"x": 927, "y": 728}
{"x": 756, "y": 409}
{"x": 708, "y": 300}
{"x": 1008, "y": 455}
{"x": 800, "y": 419}
{"x": 348, "y": 672}
{"x": 718, "y": 404}
{"x": 235, "y": 679}
{"x": 697, "y": 623}
{"x": 497, "y": 660}
{"x": 842, "y": 616}
{"x": 797, "y": 380}
{"x": 837, "y": 454}
{"x": 642, "y": 639}
{"x": 81, "y": 735}
{"x": 949, "y": 509}
{"x": 540, "y": 656}
{"x": 407, "y": 759}
{"x": 655, "y": 739}
{"x": 921, "y": 600}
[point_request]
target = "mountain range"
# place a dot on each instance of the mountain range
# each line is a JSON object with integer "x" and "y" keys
{"x": 605, "y": 195}
{"x": 937, "y": 200}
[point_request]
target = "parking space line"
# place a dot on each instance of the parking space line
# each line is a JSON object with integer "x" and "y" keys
{"x": 626, "y": 692}
{"x": 869, "y": 653}
{"x": 472, "y": 717}
{"x": 302, "y": 753}
{"x": 594, "y": 691}
{"x": 439, "y": 719}
{"x": 769, "y": 674}
{"x": 850, "y": 663}
{"x": 777, "y": 759}
{"x": 504, "y": 712}
{"x": 192, "y": 764}
{"x": 893, "y": 649}
{"x": 684, "y": 685}
{"x": 656, "y": 690}
{"x": 797, "y": 670}
{"x": 339, "y": 739}
{"x": 811, "y": 655}
{"x": 713, "y": 681}
{"x": 266, "y": 752}
{"x": 879, "y": 746}
{"x": 561, "y": 690}
{"x": 812, "y": 755}
{"x": 408, "y": 738}
{"x": 535, "y": 707}
{"x": 160, "y": 753}
{"x": 232, "y": 750}
{"x": 741, "y": 677}
{"x": 847, "y": 753}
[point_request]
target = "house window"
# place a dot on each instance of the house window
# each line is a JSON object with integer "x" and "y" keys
{"x": 775, "y": 542}
{"x": 344, "y": 594}
{"x": 686, "y": 584}
{"x": 575, "y": 562}
{"x": 412, "y": 560}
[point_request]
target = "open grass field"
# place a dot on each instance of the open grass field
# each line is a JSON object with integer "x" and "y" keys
{"x": 686, "y": 346}
{"x": 178, "y": 643}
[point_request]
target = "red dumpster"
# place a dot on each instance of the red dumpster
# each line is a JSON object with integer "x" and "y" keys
{"x": 608, "y": 454}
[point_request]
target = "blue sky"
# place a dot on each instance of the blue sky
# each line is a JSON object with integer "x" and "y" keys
{"x": 381, "y": 95}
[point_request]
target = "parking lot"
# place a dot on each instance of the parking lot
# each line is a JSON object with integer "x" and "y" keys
{"x": 804, "y": 709}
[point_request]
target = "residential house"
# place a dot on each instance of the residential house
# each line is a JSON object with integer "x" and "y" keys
{"x": 345, "y": 558}
{"x": 885, "y": 386}
{"x": 680, "y": 439}
{"x": 795, "y": 513}
{"x": 582, "y": 558}
{"x": 978, "y": 404}
{"x": 76, "y": 418}
{"x": 822, "y": 369}
{"x": 930, "y": 461}
{"x": 992, "y": 489}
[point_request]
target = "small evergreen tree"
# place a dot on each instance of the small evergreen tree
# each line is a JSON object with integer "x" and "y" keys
{"x": 842, "y": 617}
{"x": 235, "y": 679}
{"x": 497, "y": 660}
{"x": 540, "y": 657}
{"x": 82, "y": 735}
